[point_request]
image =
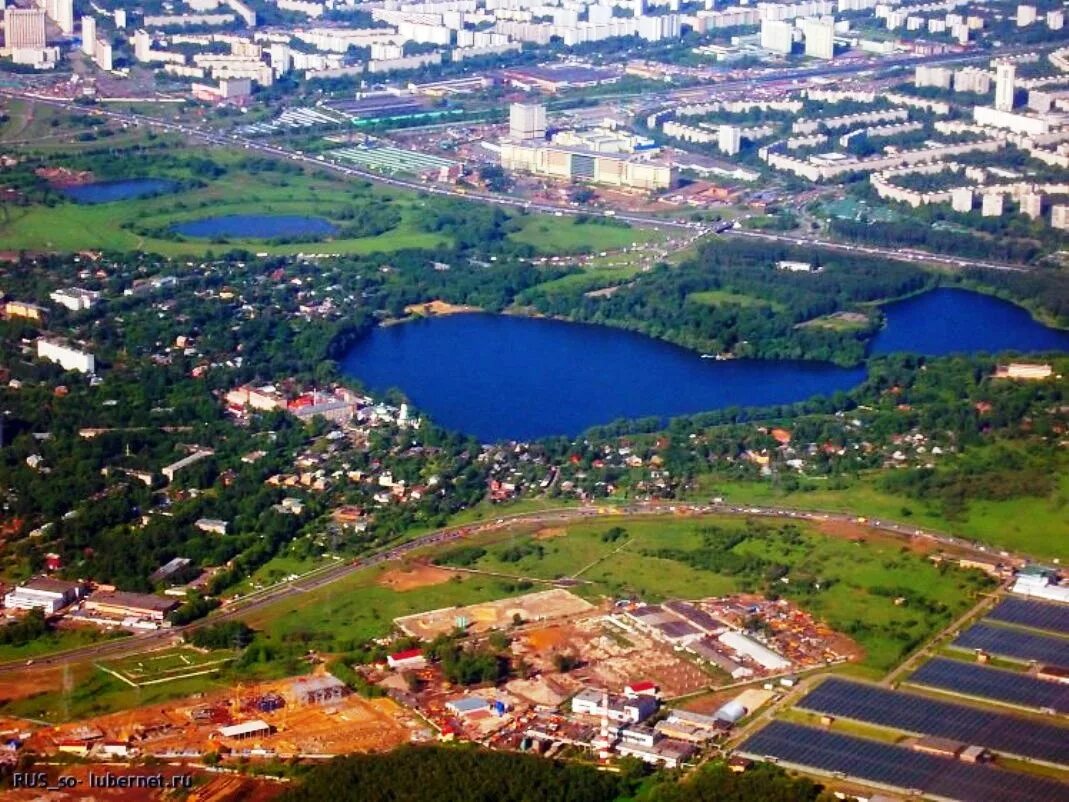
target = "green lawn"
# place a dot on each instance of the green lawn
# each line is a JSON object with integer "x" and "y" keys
{"x": 356, "y": 608}
{"x": 567, "y": 235}
{"x": 71, "y": 226}
{"x": 725, "y": 297}
{"x": 1038, "y": 527}
{"x": 55, "y": 641}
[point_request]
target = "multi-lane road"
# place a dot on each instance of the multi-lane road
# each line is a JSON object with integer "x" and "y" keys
{"x": 695, "y": 230}
{"x": 329, "y": 574}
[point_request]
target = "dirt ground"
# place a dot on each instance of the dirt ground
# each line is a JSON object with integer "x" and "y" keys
{"x": 544, "y": 605}
{"x": 851, "y": 530}
{"x": 550, "y": 532}
{"x": 438, "y": 307}
{"x": 548, "y": 639}
{"x": 18, "y": 684}
{"x": 349, "y": 724}
{"x": 609, "y": 661}
{"x": 415, "y": 576}
{"x": 206, "y": 787}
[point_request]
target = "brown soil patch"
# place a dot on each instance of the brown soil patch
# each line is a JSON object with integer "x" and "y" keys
{"x": 419, "y": 576}
{"x": 438, "y": 307}
{"x": 548, "y": 639}
{"x": 550, "y": 532}
{"x": 210, "y": 788}
{"x": 852, "y": 530}
{"x": 30, "y": 681}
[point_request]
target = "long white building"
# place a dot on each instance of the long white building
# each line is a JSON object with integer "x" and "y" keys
{"x": 66, "y": 357}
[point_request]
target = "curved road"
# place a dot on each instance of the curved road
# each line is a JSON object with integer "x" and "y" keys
{"x": 326, "y": 575}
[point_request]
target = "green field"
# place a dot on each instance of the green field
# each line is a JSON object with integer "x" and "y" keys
{"x": 726, "y": 297}
{"x": 551, "y": 234}
{"x": 1037, "y": 527}
{"x": 55, "y": 641}
{"x": 167, "y": 665}
{"x": 356, "y": 608}
{"x": 71, "y": 226}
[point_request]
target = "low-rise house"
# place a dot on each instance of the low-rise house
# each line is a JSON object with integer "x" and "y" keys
{"x": 408, "y": 659}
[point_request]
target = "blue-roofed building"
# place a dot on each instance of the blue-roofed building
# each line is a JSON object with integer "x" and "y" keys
{"x": 467, "y": 705}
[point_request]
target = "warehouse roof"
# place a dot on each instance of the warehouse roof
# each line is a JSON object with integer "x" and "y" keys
{"x": 245, "y": 728}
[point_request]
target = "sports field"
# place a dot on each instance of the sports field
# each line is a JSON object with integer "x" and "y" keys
{"x": 168, "y": 665}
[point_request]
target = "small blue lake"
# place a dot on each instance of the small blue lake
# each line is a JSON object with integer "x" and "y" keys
{"x": 111, "y": 191}
{"x": 256, "y": 226}
{"x": 504, "y": 378}
{"x": 954, "y": 321}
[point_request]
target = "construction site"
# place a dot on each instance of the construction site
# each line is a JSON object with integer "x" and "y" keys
{"x": 546, "y": 605}
{"x": 312, "y": 716}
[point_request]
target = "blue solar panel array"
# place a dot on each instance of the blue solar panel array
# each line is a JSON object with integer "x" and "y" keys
{"x": 1038, "y": 615}
{"x": 921, "y": 715}
{"x": 898, "y": 766}
{"x": 981, "y": 681}
{"x": 1014, "y": 643}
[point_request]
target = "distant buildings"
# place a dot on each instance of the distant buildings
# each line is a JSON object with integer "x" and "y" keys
{"x": 122, "y": 605}
{"x": 24, "y": 310}
{"x": 1059, "y": 217}
{"x": 65, "y": 356}
{"x": 777, "y": 36}
{"x": 172, "y": 470}
{"x": 819, "y": 38}
{"x": 406, "y": 660}
{"x": 729, "y": 139}
{"x": 24, "y": 29}
{"x": 1040, "y": 583}
{"x": 1024, "y": 370}
{"x": 89, "y": 34}
{"x": 43, "y": 593}
{"x": 527, "y": 121}
{"x": 574, "y": 164}
{"x": 1005, "y": 75}
{"x": 74, "y": 298}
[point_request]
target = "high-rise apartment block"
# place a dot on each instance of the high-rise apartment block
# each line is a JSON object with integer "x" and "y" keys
{"x": 729, "y": 139}
{"x": 1005, "y": 75}
{"x": 89, "y": 34}
{"x": 820, "y": 38}
{"x": 24, "y": 28}
{"x": 777, "y": 36}
{"x": 527, "y": 121}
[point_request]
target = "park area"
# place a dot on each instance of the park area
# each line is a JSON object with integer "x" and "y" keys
{"x": 282, "y": 208}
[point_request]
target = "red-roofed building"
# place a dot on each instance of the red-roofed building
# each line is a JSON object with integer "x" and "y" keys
{"x": 643, "y": 688}
{"x": 408, "y": 659}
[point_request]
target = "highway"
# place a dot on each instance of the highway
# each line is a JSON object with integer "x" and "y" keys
{"x": 329, "y": 574}
{"x": 915, "y": 256}
{"x": 899, "y": 254}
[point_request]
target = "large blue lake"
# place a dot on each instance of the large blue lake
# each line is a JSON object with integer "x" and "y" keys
{"x": 256, "y": 226}
{"x": 110, "y": 191}
{"x": 502, "y": 378}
